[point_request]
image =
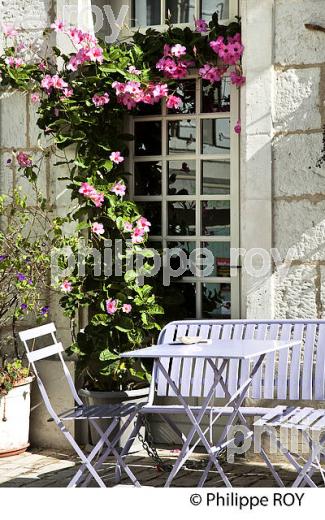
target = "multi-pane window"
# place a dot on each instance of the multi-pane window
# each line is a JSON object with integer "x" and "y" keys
{"x": 185, "y": 166}
{"x": 155, "y": 12}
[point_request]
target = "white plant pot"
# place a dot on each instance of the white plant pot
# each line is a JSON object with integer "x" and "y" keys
{"x": 101, "y": 398}
{"x": 14, "y": 420}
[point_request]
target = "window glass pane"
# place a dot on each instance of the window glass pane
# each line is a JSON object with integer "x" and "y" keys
{"x": 181, "y": 254}
{"x": 216, "y": 217}
{"x": 181, "y": 136}
{"x": 147, "y": 178}
{"x": 216, "y": 98}
{"x": 186, "y": 91}
{"x": 148, "y": 138}
{"x": 144, "y": 109}
{"x": 179, "y": 301}
{"x": 216, "y": 136}
{"x": 216, "y": 300}
{"x": 221, "y": 255}
{"x": 215, "y": 177}
{"x": 152, "y": 211}
{"x": 214, "y": 6}
{"x": 182, "y": 11}
{"x": 181, "y": 218}
{"x": 181, "y": 177}
{"x": 145, "y": 12}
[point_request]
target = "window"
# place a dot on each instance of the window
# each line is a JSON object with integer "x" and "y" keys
{"x": 185, "y": 166}
{"x": 154, "y": 12}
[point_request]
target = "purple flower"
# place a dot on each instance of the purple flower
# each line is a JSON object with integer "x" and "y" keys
{"x": 21, "y": 277}
{"x": 44, "y": 311}
{"x": 23, "y": 306}
{"x": 30, "y": 281}
{"x": 3, "y": 257}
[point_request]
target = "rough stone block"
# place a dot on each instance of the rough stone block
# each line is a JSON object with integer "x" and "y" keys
{"x": 13, "y": 126}
{"x": 300, "y": 227}
{"x": 296, "y": 100}
{"x": 295, "y": 293}
{"x": 293, "y": 42}
{"x": 7, "y": 173}
{"x": 294, "y": 165}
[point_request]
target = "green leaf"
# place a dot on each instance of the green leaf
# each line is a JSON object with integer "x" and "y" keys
{"x": 107, "y": 355}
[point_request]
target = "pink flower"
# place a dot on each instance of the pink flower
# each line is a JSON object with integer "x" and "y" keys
{"x": 59, "y": 83}
{"x": 236, "y": 38}
{"x": 119, "y": 189}
{"x": 58, "y": 26}
{"x": 133, "y": 70}
{"x": 237, "y": 79}
{"x": 178, "y": 50}
{"x": 99, "y": 100}
{"x": 137, "y": 236}
{"x": 111, "y": 306}
{"x": 14, "y": 62}
{"x": 116, "y": 157}
{"x": 144, "y": 224}
{"x": 97, "y": 199}
{"x": 127, "y": 308}
{"x": 217, "y": 44}
{"x": 66, "y": 286}
{"x": 127, "y": 226}
{"x": 174, "y": 102}
{"x": 95, "y": 54}
{"x": 237, "y": 127}
{"x": 42, "y": 66}
{"x": 210, "y": 73}
{"x": 9, "y": 31}
{"x": 87, "y": 190}
{"x": 47, "y": 82}
{"x": 35, "y": 97}
{"x": 97, "y": 228}
{"x": 160, "y": 90}
{"x": 67, "y": 92}
{"x": 24, "y": 160}
{"x": 201, "y": 25}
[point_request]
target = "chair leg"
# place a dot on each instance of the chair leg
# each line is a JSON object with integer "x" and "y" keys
{"x": 127, "y": 447}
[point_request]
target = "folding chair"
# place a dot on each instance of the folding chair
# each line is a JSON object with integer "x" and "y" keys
{"x": 311, "y": 424}
{"x": 106, "y": 445}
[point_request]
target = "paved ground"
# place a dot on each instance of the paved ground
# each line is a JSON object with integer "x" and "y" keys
{"x": 45, "y": 468}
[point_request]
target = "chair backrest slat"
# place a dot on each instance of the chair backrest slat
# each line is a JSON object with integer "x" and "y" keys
{"x": 245, "y": 364}
{"x": 307, "y": 372}
{"x": 167, "y": 336}
{"x": 233, "y": 375}
{"x": 175, "y": 371}
{"x": 186, "y": 380}
{"x": 198, "y": 371}
{"x": 209, "y": 374}
{"x": 37, "y": 332}
{"x": 320, "y": 364}
{"x": 226, "y": 333}
{"x": 45, "y": 352}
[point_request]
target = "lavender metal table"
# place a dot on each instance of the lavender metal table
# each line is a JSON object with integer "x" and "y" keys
{"x": 218, "y": 355}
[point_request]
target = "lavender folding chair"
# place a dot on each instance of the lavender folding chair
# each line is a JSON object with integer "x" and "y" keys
{"x": 106, "y": 445}
{"x": 311, "y": 424}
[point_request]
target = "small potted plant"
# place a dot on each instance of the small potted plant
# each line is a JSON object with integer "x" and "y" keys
{"x": 24, "y": 261}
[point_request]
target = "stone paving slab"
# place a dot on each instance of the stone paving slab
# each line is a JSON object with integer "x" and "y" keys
{"x": 46, "y": 468}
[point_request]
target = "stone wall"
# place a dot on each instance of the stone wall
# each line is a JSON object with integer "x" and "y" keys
{"x": 298, "y": 114}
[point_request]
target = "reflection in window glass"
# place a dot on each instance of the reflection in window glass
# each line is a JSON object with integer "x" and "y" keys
{"x": 148, "y": 138}
{"x": 221, "y": 255}
{"x": 216, "y": 217}
{"x": 181, "y": 218}
{"x": 152, "y": 211}
{"x": 181, "y": 177}
{"x": 215, "y": 6}
{"x": 147, "y": 178}
{"x": 181, "y": 254}
{"x": 181, "y": 136}
{"x": 186, "y": 91}
{"x": 216, "y": 98}
{"x": 216, "y": 300}
{"x": 182, "y": 11}
{"x": 216, "y": 177}
{"x": 216, "y": 136}
{"x": 145, "y": 12}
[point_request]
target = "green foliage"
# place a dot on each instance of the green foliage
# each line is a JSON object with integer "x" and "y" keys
{"x": 89, "y": 133}
{"x": 11, "y": 375}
